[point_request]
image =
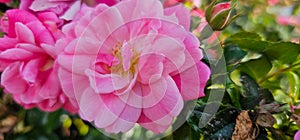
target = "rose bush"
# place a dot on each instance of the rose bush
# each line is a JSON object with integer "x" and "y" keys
{"x": 124, "y": 65}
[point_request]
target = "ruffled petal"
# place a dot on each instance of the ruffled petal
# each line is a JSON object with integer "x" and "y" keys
{"x": 168, "y": 107}
{"x": 150, "y": 67}
{"x": 15, "y": 16}
{"x": 182, "y": 14}
{"x": 7, "y": 43}
{"x": 30, "y": 70}
{"x": 10, "y": 78}
{"x": 107, "y": 83}
{"x": 16, "y": 54}
{"x": 24, "y": 34}
{"x": 192, "y": 81}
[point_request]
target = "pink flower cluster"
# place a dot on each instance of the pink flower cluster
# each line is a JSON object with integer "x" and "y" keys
{"x": 116, "y": 64}
{"x": 288, "y": 20}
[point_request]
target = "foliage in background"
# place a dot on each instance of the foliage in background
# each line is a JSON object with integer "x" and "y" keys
{"x": 262, "y": 86}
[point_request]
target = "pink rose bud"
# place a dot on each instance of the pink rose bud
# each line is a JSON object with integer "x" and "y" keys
{"x": 218, "y": 15}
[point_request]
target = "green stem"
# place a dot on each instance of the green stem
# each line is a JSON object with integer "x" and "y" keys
{"x": 277, "y": 73}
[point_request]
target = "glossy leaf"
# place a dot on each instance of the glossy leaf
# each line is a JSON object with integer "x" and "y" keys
{"x": 44, "y": 120}
{"x": 253, "y": 94}
{"x": 234, "y": 93}
{"x": 225, "y": 132}
{"x": 286, "y": 52}
{"x": 248, "y": 41}
{"x": 218, "y": 126}
{"x": 244, "y": 35}
{"x": 294, "y": 84}
{"x": 257, "y": 68}
{"x": 250, "y": 95}
{"x": 233, "y": 54}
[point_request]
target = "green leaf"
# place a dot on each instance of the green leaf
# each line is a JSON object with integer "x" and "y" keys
{"x": 244, "y": 35}
{"x": 208, "y": 11}
{"x": 257, "y": 68}
{"x": 221, "y": 119}
{"x": 251, "y": 45}
{"x": 220, "y": 21}
{"x": 281, "y": 96}
{"x": 95, "y": 134}
{"x": 253, "y": 94}
{"x": 294, "y": 84}
{"x": 266, "y": 95}
{"x": 217, "y": 122}
{"x": 225, "y": 132}
{"x": 34, "y": 117}
{"x": 248, "y": 41}
{"x": 233, "y": 93}
{"x": 43, "y": 121}
{"x": 286, "y": 52}
{"x": 185, "y": 132}
{"x": 233, "y": 54}
{"x": 262, "y": 135}
{"x": 271, "y": 84}
{"x": 33, "y": 135}
{"x": 250, "y": 95}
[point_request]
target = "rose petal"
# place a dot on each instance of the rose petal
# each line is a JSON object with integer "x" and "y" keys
{"x": 24, "y": 34}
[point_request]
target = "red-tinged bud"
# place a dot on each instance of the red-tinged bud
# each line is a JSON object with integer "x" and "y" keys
{"x": 218, "y": 15}
{"x": 220, "y": 8}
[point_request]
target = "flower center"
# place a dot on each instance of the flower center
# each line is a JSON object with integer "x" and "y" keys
{"x": 127, "y": 58}
{"x": 48, "y": 65}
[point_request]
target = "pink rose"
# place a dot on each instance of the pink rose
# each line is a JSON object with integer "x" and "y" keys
{"x": 5, "y": 1}
{"x": 65, "y": 9}
{"x": 27, "y": 58}
{"x": 297, "y": 135}
{"x": 132, "y": 66}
